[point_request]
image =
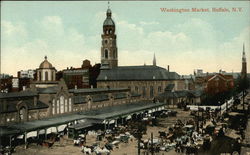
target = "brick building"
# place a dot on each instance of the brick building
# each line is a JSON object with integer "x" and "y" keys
{"x": 218, "y": 83}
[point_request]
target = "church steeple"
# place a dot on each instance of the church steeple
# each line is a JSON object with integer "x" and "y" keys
{"x": 109, "y": 50}
{"x": 244, "y": 54}
{"x": 244, "y": 64}
{"x": 154, "y": 60}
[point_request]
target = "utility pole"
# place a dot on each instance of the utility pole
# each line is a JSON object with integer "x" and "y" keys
{"x": 152, "y": 145}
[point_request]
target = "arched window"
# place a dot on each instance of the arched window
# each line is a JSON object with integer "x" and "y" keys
{"x": 110, "y": 31}
{"x": 106, "y": 53}
{"x": 62, "y": 104}
{"x": 70, "y": 106}
{"x": 57, "y": 106}
{"x": 22, "y": 113}
{"x": 151, "y": 91}
{"x": 46, "y": 76}
{"x": 40, "y": 76}
{"x": 107, "y": 32}
{"x": 52, "y": 76}
{"x": 66, "y": 105}
{"x": 53, "y": 107}
{"x": 143, "y": 91}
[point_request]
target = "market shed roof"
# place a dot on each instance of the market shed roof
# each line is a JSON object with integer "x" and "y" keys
{"x": 97, "y": 114}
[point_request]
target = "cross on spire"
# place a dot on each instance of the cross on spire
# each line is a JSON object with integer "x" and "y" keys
{"x": 45, "y": 57}
{"x": 108, "y": 4}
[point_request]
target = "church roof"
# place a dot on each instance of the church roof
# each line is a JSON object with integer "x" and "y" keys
{"x": 125, "y": 73}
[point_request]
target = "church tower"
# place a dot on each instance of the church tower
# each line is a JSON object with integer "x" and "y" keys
{"x": 154, "y": 60}
{"x": 244, "y": 64}
{"x": 109, "y": 49}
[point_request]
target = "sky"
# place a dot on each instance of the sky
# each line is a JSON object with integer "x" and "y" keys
{"x": 70, "y": 32}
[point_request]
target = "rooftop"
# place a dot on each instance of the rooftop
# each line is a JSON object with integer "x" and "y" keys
{"x": 97, "y": 114}
{"x": 126, "y": 73}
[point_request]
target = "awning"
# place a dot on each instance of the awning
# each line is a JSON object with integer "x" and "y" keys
{"x": 50, "y": 130}
{"x": 60, "y": 128}
{"x": 112, "y": 121}
{"x": 41, "y": 132}
{"x": 32, "y": 134}
{"x": 128, "y": 117}
{"x": 20, "y": 137}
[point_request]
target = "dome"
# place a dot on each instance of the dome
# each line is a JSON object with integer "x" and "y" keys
{"x": 108, "y": 22}
{"x": 46, "y": 64}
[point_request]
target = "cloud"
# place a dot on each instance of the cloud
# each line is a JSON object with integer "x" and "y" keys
{"x": 143, "y": 23}
{"x": 189, "y": 45}
{"x": 63, "y": 46}
{"x": 9, "y": 29}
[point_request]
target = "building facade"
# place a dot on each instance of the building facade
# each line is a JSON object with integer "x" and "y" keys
{"x": 48, "y": 97}
{"x": 149, "y": 81}
{"x": 83, "y": 77}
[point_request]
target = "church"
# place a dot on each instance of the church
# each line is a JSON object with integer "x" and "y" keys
{"x": 147, "y": 80}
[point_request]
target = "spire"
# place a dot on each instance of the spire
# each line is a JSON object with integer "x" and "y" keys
{"x": 243, "y": 54}
{"x": 154, "y": 60}
{"x": 108, "y": 11}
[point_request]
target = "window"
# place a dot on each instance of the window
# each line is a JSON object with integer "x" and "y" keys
{"x": 70, "y": 108}
{"x": 66, "y": 105}
{"x": 62, "y": 104}
{"x": 46, "y": 76}
{"x": 159, "y": 89}
{"x": 151, "y": 91}
{"x": 22, "y": 113}
{"x": 40, "y": 76}
{"x": 110, "y": 31}
{"x": 52, "y": 76}
{"x": 53, "y": 107}
{"x": 57, "y": 106}
{"x": 106, "y": 41}
{"x": 143, "y": 91}
{"x": 106, "y": 53}
{"x": 136, "y": 89}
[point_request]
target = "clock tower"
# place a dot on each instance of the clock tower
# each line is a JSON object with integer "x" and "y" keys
{"x": 109, "y": 57}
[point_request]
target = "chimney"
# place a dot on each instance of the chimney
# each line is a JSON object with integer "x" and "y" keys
{"x": 168, "y": 68}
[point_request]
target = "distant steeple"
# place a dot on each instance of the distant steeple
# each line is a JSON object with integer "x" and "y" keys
{"x": 244, "y": 64}
{"x": 244, "y": 54}
{"x": 154, "y": 60}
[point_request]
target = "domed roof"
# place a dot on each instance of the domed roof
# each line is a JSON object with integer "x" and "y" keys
{"x": 108, "y": 21}
{"x": 46, "y": 64}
